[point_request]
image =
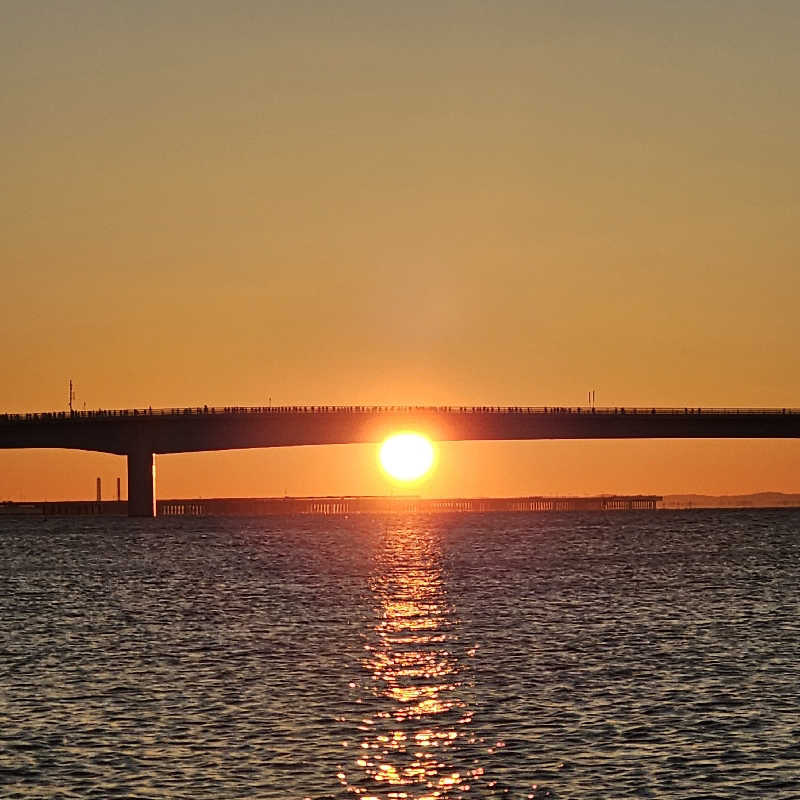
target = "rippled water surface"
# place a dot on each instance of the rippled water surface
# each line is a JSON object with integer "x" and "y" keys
{"x": 487, "y": 656}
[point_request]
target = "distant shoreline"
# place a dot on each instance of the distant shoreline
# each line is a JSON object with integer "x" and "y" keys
{"x": 755, "y": 500}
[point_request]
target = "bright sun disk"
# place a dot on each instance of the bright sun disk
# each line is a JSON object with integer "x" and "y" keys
{"x": 407, "y": 456}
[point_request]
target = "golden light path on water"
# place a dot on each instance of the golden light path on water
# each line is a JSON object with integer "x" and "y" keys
{"x": 415, "y": 739}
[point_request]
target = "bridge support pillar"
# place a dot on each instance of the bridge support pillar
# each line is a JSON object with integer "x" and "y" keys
{"x": 141, "y": 483}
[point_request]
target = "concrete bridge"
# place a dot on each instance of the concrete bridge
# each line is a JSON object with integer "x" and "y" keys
{"x": 141, "y": 433}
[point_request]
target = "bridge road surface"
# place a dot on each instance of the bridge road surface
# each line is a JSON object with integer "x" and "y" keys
{"x": 139, "y": 434}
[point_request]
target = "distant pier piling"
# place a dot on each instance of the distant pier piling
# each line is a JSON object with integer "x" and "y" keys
{"x": 341, "y": 506}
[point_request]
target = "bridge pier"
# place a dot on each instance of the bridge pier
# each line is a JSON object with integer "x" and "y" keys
{"x": 141, "y": 483}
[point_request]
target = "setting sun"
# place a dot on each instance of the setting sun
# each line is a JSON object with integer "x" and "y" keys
{"x": 407, "y": 456}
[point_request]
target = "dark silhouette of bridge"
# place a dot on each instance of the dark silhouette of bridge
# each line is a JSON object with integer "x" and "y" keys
{"x": 139, "y": 434}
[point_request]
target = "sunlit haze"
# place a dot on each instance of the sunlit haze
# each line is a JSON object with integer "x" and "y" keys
{"x": 510, "y": 203}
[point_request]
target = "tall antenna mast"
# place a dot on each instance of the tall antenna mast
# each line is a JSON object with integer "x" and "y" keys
{"x": 71, "y": 395}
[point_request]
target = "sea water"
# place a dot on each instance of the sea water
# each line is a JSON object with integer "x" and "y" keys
{"x": 643, "y": 654}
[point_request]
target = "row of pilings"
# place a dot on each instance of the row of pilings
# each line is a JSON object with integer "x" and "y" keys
{"x": 333, "y": 506}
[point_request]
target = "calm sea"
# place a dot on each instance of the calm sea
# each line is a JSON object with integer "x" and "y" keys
{"x": 479, "y": 656}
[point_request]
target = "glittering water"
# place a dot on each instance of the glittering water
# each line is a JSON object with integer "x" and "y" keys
{"x": 485, "y": 656}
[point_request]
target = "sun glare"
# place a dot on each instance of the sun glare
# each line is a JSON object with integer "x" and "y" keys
{"x": 407, "y": 456}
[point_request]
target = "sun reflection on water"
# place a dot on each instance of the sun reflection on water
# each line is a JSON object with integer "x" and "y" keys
{"x": 415, "y": 741}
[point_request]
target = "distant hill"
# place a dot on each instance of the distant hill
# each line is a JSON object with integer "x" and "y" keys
{"x": 758, "y": 500}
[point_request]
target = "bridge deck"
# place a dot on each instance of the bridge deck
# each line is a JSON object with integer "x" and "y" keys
{"x": 208, "y": 428}
{"x": 178, "y": 430}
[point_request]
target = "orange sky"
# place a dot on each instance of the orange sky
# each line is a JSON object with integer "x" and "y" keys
{"x": 440, "y": 203}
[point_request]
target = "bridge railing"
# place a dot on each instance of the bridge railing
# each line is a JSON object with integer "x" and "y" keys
{"x": 135, "y": 413}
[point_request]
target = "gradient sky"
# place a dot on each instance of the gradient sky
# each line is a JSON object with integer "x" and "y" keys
{"x": 361, "y": 202}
